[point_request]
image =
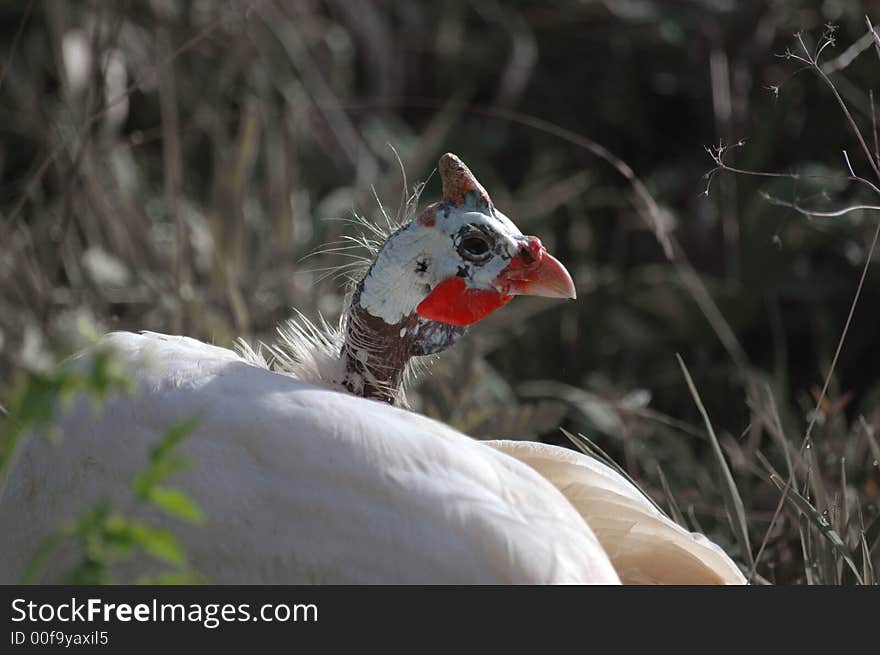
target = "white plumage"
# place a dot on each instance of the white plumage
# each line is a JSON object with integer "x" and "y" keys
{"x": 301, "y": 484}
{"x": 302, "y": 481}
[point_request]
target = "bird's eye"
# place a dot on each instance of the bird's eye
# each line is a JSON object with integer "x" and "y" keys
{"x": 475, "y": 248}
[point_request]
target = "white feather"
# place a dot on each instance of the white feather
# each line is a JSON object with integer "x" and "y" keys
{"x": 645, "y": 546}
{"x": 300, "y": 483}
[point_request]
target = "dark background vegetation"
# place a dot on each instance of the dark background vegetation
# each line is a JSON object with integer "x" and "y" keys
{"x": 167, "y": 165}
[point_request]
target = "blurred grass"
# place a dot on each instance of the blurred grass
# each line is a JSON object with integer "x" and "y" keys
{"x": 166, "y": 166}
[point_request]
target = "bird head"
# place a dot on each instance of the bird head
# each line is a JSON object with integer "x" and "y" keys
{"x": 459, "y": 260}
{"x": 451, "y": 266}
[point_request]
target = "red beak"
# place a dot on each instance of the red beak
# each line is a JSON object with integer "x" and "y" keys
{"x": 535, "y": 272}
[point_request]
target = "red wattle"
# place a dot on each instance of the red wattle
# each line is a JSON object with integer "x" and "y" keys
{"x": 454, "y": 303}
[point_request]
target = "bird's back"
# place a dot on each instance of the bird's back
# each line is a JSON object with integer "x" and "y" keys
{"x": 299, "y": 484}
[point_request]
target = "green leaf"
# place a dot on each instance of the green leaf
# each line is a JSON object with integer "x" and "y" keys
{"x": 156, "y": 472}
{"x": 176, "y": 503}
{"x": 159, "y": 543}
{"x": 182, "y": 577}
{"x": 163, "y": 461}
{"x": 172, "y": 438}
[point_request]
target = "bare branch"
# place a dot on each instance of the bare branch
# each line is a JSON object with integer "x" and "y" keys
{"x": 849, "y": 167}
{"x": 855, "y": 128}
{"x": 718, "y": 152}
{"x": 826, "y": 40}
{"x": 717, "y": 155}
{"x": 815, "y": 213}
{"x": 849, "y": 55}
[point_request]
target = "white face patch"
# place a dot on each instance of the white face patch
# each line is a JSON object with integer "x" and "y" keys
{"x": 418, "y": 257}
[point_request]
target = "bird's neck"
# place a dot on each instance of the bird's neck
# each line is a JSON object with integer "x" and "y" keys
{"x": 376, "y": 352}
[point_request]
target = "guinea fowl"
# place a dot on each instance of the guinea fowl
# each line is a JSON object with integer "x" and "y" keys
{"x": 311, "y": 474}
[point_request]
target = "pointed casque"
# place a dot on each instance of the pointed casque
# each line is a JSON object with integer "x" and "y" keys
{"x": 460, "y": 187}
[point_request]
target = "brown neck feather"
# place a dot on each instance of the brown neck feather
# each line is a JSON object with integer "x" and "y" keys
{"x": 376, "y": 353}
